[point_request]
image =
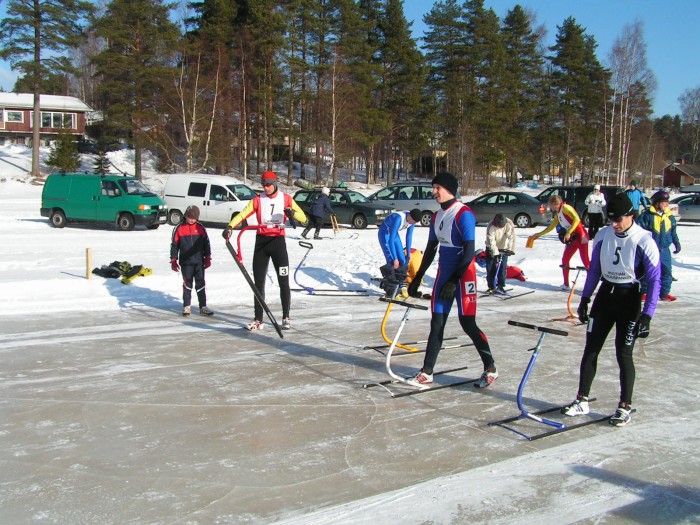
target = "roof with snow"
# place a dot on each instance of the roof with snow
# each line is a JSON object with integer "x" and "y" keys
{"x": 56, "y": 102}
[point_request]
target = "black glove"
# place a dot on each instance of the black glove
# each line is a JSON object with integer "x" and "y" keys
{"x": 289, "y": 212}
{"x": 447, "y": 292}
{"x": 226, "y": 234}
{"x": 643, "y": 326}
{"x": 413, "y": 286}
{"x": 583, "y": 309}
{"x": 678, "y": 249}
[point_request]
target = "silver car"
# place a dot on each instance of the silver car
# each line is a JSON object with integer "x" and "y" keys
{"x": 688, "y": 207}
{"x": 523, "y": 209}
{"x": 407, "y": 196}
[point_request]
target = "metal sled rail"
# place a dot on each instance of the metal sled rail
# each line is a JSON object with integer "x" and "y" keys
{"x": 322, "y": 291}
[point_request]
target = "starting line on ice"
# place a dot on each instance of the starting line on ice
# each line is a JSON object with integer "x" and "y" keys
{"x": 397, "y": 379}
{"x": 535, "y": 416}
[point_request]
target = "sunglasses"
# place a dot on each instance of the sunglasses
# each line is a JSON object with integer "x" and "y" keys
{"x": 267, "y": 184}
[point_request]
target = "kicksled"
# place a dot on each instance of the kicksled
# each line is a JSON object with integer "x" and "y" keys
{"x": 556, "y": 427}
{"x": 397, "y": 380}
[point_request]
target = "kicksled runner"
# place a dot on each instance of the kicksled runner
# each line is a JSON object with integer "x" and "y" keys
{"x": 556, "y": 426}
{"x": 322, "y": 291}
{"x": 397, "y": 380}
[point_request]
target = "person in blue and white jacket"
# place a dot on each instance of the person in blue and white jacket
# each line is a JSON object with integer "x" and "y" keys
{"x": 395, "y": 270}
{"x": 623, "y": 254}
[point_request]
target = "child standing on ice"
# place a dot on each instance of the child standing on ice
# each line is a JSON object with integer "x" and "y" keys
{"x": 190, "y": 245}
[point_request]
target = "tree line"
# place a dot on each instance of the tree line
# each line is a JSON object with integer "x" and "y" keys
{"x": 223, "y": 85}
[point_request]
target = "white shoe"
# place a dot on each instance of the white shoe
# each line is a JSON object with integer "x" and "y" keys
{"x": 487, "y": 378}
{"x": 579, "y": 407}
{"x": 255, "y": 325}
{"x": 565, "y": 287}
{"x": 421, "y": 380}
{"x": 286, "y": 324}
{"x": 186, "y": 311}
{"x": 621, "y": 417}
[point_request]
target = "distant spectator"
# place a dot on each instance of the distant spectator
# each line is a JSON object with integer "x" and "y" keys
{"x": 595, "y": 202}
{"x": 639, "y": 200}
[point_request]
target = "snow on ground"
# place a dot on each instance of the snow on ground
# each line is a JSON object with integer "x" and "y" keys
{"x": 375, "y": 460}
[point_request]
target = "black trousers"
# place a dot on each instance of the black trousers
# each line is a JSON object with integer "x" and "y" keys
{"x": 595, "y": 223}
{"x": 275, "y": 249}
{"x": 437, "y": 334}
{"x": 193, "y": 272}
{"x": 618, "y": 307}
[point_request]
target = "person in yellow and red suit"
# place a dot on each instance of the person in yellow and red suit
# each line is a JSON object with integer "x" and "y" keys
{"x": 659, "y": 220}
{"x": 571, "y": 232}
{"x": 272, "y": 208}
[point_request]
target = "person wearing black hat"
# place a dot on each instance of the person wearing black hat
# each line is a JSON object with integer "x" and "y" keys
{"x": 190, "y": 253}
{"x": 453, "y": 230}
{"x": 272, "y": 208}
{"x": 500, "y": 243}
{"x": 395, "y": 270}
{"x": 660, "y": 221}
{"x": 623, "y": 252}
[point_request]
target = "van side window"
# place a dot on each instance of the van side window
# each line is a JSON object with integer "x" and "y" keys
{"x": 217, "y": 193}
{"x": 197, "y": 189}
{"x": 110, "y": 188}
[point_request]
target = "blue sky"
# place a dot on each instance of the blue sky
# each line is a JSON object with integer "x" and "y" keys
{"x": 670, "y": 28}
{"x": 670, "y": 32}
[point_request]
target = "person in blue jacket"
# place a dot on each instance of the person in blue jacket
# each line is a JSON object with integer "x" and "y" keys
{"x": 638, "y": 199}
{"x": 318, "y": 211}
{"x": 453, "y": 230}
{"x": 659, "y": 220}
{"x": 397, "y": 255}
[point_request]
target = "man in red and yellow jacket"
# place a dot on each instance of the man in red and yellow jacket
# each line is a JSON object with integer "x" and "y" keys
{"x": 271, "y": 208}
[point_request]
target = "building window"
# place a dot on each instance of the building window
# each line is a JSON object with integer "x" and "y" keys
{"x": 14, "y": 116}
{"x": 58, "y": 120}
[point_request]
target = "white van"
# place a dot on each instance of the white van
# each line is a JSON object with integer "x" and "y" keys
{"x": 218, "y": 197}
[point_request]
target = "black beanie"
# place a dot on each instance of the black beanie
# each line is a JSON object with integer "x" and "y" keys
{"x": 415, "y": 214}
{"x": 447, "y": 181}
{"x": 499, "y": 220}
{"x": 619, "y": 206}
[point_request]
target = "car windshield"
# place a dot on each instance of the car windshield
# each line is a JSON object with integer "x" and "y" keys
{"x": 241, "y": 191}
{"x": 354, "y": 197}
{"x": 134, "y": 187}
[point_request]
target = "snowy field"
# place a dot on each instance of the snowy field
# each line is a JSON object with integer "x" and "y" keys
{"x": 115, "y": 409}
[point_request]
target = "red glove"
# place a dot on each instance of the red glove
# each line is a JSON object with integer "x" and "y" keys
{"x": 207, "y": 261}
{"x": 174, "y": 265}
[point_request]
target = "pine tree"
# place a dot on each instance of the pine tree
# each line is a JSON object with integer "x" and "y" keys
{"x": 32, "y": 28}
{"x": 102, "y": 164}
{"x": 64, "y": 156}
{"x": 140, "y": 40}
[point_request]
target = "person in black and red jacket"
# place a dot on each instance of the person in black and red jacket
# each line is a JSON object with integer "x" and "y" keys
{"x": 190, "y": 247}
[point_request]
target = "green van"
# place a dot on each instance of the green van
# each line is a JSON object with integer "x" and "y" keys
{"x": 123, "y": 201}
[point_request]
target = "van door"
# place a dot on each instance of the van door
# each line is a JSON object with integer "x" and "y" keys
{"x": 84, "y": 198}
{"x": 220, "y": 205}
{"x": 111, "y": 201}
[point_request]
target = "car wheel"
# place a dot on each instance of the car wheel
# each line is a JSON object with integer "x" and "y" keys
{"x": 58, "y": 219}
{"x": 174, "y": 217}
{"x": 359, "y": 221}
{"x": 425, "y": 218}
{"x": 522, "y": 220}
{"x": 125, "y": 222}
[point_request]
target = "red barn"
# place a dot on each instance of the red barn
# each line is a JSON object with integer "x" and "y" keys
{"x": 678, "y": 174}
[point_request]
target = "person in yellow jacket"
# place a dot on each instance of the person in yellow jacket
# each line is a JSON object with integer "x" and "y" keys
{"x": 570, "y": 231}
{"x": 272, "y": 208}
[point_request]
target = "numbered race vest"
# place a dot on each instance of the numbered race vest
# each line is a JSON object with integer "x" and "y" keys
{"x": 270, "y": 213}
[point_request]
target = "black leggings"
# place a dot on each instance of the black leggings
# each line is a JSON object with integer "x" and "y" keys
{"x": 193, "y": 272}
{"x": 274, "y": 248}
{"x": 619, "y": 308}
{"x": 437, "y": 332}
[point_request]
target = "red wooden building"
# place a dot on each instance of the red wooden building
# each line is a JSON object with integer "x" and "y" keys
{"x": 679, "y": 174}
{"x": 57, "y": 112}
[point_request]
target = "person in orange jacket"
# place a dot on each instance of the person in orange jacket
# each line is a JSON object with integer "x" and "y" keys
{"x": 571, "y": 232}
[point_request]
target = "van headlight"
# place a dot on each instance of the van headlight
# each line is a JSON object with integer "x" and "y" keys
{"x": 144, "y": 207}
{"x": 379, "y": 212}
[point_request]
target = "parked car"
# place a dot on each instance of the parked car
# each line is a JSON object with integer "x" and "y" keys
{"x": 407, "y": 196}
{"x": 687, "y": 207}
{"x": 576, "y": 196}
{"x": 523, "y": 209}
{"x": 350, "y": 207}
{"x": 123, "y": 201}
{"x": 218, "y": 197}
{"x": 87, "y": 146}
